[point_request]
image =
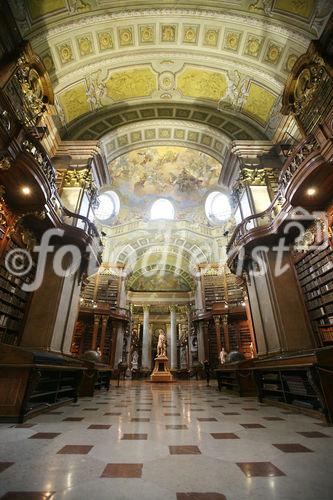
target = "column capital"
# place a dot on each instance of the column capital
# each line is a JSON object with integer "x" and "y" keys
{"x": 217, "y": 320}
{"x": 146, "y": 308}
{"x": 97, "y": 318}
{"x": 173, "y": 308}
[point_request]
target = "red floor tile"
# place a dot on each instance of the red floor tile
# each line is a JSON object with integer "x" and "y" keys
{"x": 23, "y": 426}
{"x": 259, "y": 469}
{"x": 176, "y": 427}
{"x": 5, "y": 465}
{"x": 27, "y": 495}
{"x": 184, "y": 450}
{"x": 200, "y": 496}
{"x": 292, "y": 448}
{"x": 274, "y": 419}
{"x": 224, "y": 435}
{"x": 123, "y": 470}
{"x": 208, "y": 419}
{"x": 135, "y": 437}
{"x": 140, "y": 419}
{"x": 253, "y": 426}
{"x": 99, "y": 426}
{"x": 73, "y": 419}
{"x": 45, "y": 435}
{"x": 313, "y": 434}
{"x": 75, "y": 449}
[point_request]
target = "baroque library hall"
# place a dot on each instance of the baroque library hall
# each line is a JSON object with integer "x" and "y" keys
{"x": 166, "y": 250}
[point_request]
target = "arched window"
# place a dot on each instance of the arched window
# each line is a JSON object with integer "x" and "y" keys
{"x": 217, "y": 207}
{"x": 162, "y": 209}
{"x": 108, "y": 205}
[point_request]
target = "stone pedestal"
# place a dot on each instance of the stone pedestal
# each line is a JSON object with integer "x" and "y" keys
{"x": 161, "y": 372}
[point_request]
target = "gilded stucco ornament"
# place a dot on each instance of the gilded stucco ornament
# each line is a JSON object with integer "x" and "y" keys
{"x": 5, "y": 120}
{"x": 41, "y": 158}
{"x": 80, "y": 6}
{"x": 81, "y": 178}
{"x": 96, "y": 90}
{"x": 237, "y": 92}
{"x": 32, "y": 105}
{"x": 307, "y": 83}
{"x": 265, "y": 6}
{"x": 5, "y": 162}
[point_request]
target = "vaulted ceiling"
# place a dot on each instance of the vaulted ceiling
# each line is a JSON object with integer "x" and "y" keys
{"x": 145, "y": 74}
{"x": 136, "y": 72}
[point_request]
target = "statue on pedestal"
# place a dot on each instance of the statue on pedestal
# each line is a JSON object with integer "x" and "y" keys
{"x": 161, "y": 372}
{"x": 161, "y": 344}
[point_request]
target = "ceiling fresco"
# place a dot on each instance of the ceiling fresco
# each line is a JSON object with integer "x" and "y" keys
{"x": 161, "y": 281}
{"x": 180, "y": 174}
{"x": 231, "y": 57}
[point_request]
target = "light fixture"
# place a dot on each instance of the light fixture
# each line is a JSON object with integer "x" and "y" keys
{"x": 311, "y": 191}
{"x": 26, "y": 190}
{"x": 243, "y": 304}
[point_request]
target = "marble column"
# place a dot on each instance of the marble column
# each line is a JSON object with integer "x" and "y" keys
{"x": 199, "y": 304}
{"x": 173, "y": 335}
{"x": 119, "y": 344}
{"x": 103, "y": 334}
{"x": 97, "y": 319}
{"x": 122, "y": 291}
{"x": 168, "y": 334}
{"x": 226, "y": 332}
{"x": 189, "y": 343}
{"x": 217, "y": 322}
{"x": 201, "y": 342}
{"x": 145, "y": 338}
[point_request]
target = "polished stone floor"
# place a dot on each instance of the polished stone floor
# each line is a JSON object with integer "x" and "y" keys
{"x": 178, "y": 441}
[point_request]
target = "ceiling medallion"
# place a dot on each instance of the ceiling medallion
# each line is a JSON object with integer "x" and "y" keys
{"x": 166, "y": 80}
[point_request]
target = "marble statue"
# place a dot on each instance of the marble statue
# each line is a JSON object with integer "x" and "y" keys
{"x": 161, "y": 344}
{"x": 135, "y": 360}
{"x": 223, "y": 355}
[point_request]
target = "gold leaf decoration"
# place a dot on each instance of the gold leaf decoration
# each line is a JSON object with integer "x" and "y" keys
{"x": 169, "y": 33}
{"x": 105, "y": 40}
{"x": 65, "y": 52}
{"x": 74, "y": 102}
{"x": 198, "y": 83}
{"x": 211, "y": 37}
{"x": 259, "y": 103}
{"x": 131, "y": 83}
{"x": 125, "y": 36}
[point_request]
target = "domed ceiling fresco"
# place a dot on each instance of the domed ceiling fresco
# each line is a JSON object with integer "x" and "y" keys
{"x": 179, "y": 174}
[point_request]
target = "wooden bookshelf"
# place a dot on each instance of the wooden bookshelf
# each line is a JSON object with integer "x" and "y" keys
{"x": 302, "y": 381}
{"x": 315, "y": 275}
{"x": 13, "y": 301}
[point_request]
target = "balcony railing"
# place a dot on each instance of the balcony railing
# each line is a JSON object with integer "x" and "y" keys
{"x": 298, "y": 158}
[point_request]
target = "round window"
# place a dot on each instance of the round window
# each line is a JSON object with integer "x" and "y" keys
{"x": 162, "y": 209}
{"x": 107, "y": 206}
{"x": 217, "y": 207}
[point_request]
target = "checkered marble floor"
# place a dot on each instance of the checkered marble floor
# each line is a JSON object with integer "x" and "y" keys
{"x": 177, "y": 441}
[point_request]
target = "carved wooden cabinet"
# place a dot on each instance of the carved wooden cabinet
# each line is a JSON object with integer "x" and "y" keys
{"x": 32, "y": 382}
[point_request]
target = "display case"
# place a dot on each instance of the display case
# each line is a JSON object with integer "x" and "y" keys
{"x": 32, "y": 382}
{"x": 302, "y": 381}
